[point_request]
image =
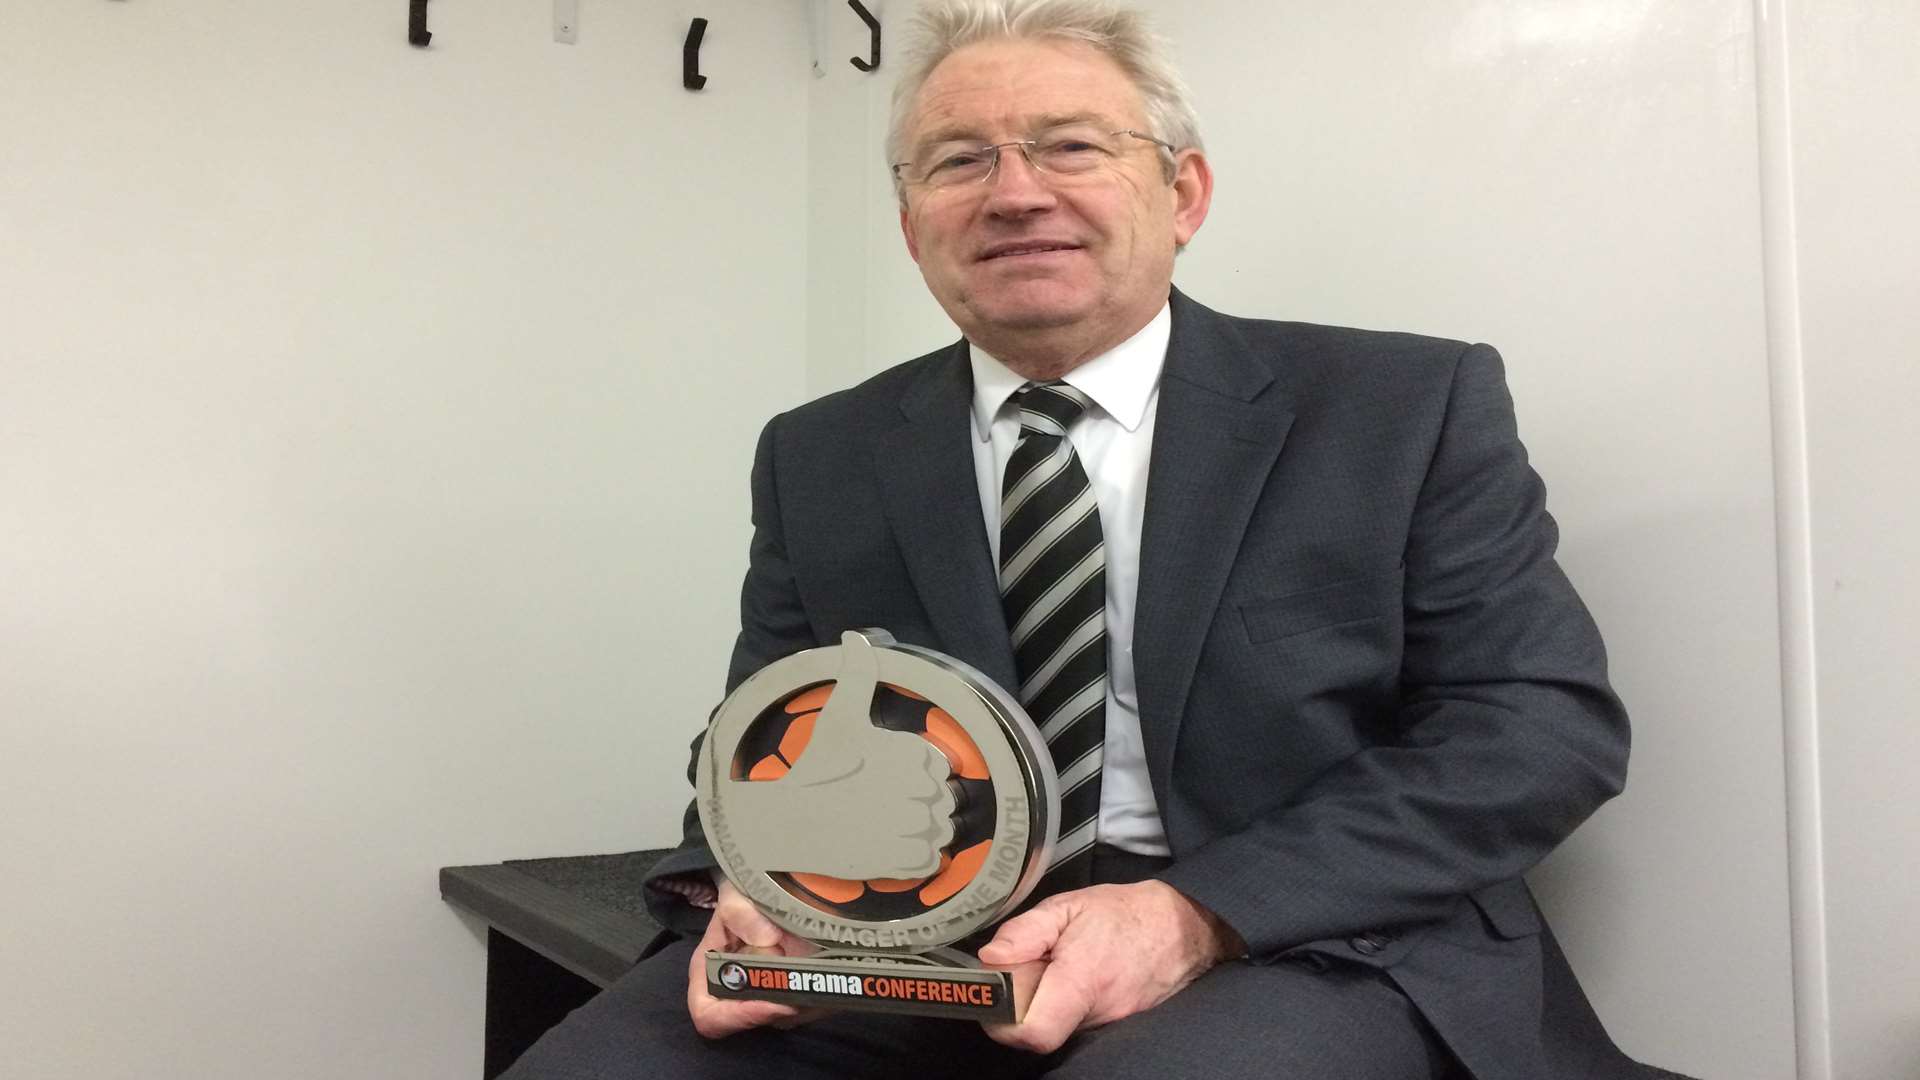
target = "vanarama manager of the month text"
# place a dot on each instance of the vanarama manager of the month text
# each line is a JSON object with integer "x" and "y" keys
{"x": 1345, "y": 695}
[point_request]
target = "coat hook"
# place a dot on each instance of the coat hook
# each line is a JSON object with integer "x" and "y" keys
{"x": 873, "y": 25}
{"x": 417, "y": 24}
{"x": 690, "y": 76}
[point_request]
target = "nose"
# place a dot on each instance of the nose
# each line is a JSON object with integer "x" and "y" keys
{"x": 1016, "y": 187}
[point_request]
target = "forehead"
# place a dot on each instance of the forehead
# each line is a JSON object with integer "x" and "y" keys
{"x": 998, "y": 88}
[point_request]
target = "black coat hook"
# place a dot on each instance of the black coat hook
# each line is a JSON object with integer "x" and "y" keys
{"x": 690, "y": 76}
{"x": 873, "y": 25}
{"x": 417, "y": 24}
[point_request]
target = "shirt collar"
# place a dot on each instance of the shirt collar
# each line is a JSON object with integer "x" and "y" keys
{"x": 1121, "y": 380}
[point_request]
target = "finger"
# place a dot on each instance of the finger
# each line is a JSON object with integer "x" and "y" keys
{"x": 716, "y": 1018}
{"x": 800, "y": 1016}
{"x": 795, "y": 946}
{"x": 747, "y": 924}
{"x": 1025, "y": 979}
{"x": 713, "y": 937}
{"x": 1060, "y": 1004}
{"x": 1028, "y": 936}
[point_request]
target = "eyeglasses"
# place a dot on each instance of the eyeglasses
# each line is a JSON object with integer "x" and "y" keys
{"x": 1062, "y": 152}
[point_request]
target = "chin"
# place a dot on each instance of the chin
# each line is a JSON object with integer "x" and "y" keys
{"x": 1031, "y": 312}
{"x": 1029, "y": 318}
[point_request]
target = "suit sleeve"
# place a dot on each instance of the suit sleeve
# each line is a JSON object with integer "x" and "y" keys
{"x": 773, "y": 624}
{"x": 1507, "y": 735}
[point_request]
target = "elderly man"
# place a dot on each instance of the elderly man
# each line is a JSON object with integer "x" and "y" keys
{"x": 1290, "y": 619}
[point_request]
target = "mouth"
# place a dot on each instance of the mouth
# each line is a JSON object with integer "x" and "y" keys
{"x": 1026, "y": 248}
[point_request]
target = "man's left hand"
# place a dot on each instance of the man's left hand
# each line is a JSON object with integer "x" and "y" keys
{"x": 1111, "y": 951}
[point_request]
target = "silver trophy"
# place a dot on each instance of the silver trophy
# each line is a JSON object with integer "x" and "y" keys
{"x": 881, "y": 801}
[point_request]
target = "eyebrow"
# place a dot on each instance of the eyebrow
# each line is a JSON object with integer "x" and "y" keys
{"x": 1045, "y": 122}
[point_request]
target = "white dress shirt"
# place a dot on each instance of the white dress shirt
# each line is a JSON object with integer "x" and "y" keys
{"x": 1113, "y": 441}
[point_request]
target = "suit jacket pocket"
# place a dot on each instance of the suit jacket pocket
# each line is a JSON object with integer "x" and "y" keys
{"x": 1329, "y": 605}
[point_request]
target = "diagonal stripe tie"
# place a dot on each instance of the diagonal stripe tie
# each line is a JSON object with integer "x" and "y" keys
{"x": 1053, "y": 574}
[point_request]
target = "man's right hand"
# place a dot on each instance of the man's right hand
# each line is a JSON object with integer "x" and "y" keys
{"x": 738, "y": 926}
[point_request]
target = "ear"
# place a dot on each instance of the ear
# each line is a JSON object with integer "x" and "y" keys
{"x": 906, "y": 230}
{"x": 1192, "y": 194}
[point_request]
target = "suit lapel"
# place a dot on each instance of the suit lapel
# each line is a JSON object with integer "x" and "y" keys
{"x": 1216, "y": 437}
{"x": 932, "y": 503}
{"x": 1218, "y": 430}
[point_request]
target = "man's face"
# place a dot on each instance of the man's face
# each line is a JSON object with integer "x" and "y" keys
{"x": 1026, "y": 255}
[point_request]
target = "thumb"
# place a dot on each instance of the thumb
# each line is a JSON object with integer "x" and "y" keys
{"x": 1025, "y": 937}
{"x": 743, "y": 921}
{"x": 754, "y": 930}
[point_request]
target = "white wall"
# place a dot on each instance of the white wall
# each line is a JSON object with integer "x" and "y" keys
{"x": 1581, "y": 182}
{"x": 1856, "y": 79}
{"x": 374, "y": 431}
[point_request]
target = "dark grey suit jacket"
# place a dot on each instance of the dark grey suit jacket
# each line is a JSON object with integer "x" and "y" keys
{"x": 1370, "y": 699}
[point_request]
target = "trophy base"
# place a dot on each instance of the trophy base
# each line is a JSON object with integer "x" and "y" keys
{"x": 943, "y": 982}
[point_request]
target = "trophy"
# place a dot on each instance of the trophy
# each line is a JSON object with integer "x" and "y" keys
{"x": 881, "y": 801}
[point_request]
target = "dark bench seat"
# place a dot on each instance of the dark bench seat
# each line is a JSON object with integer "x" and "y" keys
{"x": 558, "y": 932}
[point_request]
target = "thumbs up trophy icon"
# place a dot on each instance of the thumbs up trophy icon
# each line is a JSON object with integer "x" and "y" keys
{"x": 881, "y": 801}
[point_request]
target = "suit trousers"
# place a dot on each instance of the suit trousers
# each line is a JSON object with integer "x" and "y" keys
{"x": 1275, "y": 1022}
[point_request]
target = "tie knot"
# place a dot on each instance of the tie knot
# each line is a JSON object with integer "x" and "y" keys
{"x": 1049, "y": 408}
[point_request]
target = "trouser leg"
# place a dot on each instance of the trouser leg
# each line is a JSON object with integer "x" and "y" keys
{"x": 1274, "y": 1022}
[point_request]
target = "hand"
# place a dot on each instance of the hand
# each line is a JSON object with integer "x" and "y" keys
{"x": 738, "y": 926}
{"x": 860, "y": 801}
{"x": 1112, "y": 951}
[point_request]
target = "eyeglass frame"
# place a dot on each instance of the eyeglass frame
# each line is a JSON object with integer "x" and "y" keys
{"x": 1026, "y": 152}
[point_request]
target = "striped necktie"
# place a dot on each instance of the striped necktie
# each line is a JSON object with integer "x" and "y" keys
{"x": 1053, "y": 587}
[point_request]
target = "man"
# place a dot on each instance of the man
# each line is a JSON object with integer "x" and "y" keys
{"x": 1332, "y": 696}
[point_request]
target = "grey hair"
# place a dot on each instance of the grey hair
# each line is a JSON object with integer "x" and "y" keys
{"x": 942, "y": 27}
